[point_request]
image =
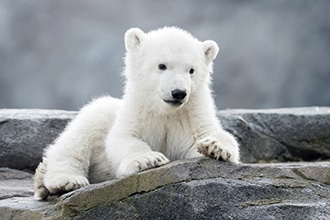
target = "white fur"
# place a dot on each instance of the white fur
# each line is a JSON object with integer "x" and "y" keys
{"x": 113, "y": 138}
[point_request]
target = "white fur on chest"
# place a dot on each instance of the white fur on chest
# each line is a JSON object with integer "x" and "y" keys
{"x": 172, "y": 135}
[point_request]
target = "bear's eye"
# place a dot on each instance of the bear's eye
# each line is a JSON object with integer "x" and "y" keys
{"x": 192, "y": 70}
{"x": 162, "y": 66}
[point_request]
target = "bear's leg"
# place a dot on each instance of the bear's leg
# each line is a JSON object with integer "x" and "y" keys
{"x": 57, "y": 177}
{"x": 220, "y": 147}
{"x": 40, "y": 191}
{"x": 130, "y": 155}
{"x": 137, "y": 163}
{"x": 70, "y": 159}
{"x": 69, "y": 176}
{"x": 65, "y": 182}
{"x": 67, "y": 164}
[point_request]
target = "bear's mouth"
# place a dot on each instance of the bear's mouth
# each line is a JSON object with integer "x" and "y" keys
{"x": 174, "y": 102}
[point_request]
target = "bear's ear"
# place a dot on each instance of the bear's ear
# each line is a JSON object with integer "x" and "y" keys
{"x": 210, "y": 49}
{"x": 133, "y": 38}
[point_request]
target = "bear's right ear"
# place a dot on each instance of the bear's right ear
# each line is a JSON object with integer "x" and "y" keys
{"x": 133, "y": 39}
{"x": 211, "y": 50}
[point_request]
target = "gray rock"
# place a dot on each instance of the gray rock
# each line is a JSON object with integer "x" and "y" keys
{"x": 15, "y": 183}
{"x": 193, "y": 189}
{"x": 198, "y": 188}
{"x": 295, "y": 134}
{"x": 292, "y": 134}
{"x": 25, "y": 133}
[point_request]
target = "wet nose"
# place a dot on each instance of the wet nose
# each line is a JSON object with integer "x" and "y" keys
{"x": 179, "y": 94}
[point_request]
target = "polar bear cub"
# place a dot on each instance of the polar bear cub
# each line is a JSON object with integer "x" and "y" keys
{"x": 167, "y": 113}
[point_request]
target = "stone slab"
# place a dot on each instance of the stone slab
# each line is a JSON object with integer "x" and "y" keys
{"x": 192, "y": 189}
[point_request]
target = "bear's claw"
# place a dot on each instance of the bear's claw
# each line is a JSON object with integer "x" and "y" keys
{"x": 141, "y": 162}
{"x": 65, "y": 183}
{"x": 212, "y": 148}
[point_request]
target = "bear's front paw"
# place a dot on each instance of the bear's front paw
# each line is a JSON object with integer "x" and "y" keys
{"x": 65, "y": 182}
{"x": 144, "y": 161}
{"x": 212, "y": 148}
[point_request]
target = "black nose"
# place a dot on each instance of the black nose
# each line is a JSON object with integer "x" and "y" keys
{"x": 179, "y": 94}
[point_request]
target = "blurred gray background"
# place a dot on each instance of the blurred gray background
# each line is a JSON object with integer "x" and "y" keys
{"x": 59, "y": 54}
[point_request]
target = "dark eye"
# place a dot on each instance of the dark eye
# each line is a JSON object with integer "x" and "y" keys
{"x": 162, "y": 66}
{"x": 191, "y": 71}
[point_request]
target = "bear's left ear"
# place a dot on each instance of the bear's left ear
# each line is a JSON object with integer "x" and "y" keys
{"x": 133, "y": 39}
{"x": 210, "y": 49}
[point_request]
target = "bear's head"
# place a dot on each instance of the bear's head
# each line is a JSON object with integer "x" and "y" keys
{"x": 167, "y": 68}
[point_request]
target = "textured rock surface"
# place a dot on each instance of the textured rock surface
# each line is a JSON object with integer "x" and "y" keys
{"x": 193, "y": 189}
{"x": 292, "y": 134}
{"x": 296, "y": 134}
{"x": 187, "y": 189}
{"x": 24, "y": 133}
{"x": 15, "y": 183}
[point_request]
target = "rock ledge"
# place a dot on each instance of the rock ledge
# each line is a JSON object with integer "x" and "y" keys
{"x": 187, "y": 189}
{"x": 192, "y": 189}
